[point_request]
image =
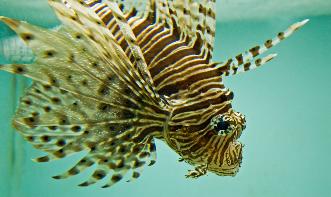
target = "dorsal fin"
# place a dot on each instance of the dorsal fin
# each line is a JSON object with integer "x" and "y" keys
{"x": 195, "y": 18}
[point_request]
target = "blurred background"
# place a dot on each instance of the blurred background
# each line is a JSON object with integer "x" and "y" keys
{"x": 286, "y": 102}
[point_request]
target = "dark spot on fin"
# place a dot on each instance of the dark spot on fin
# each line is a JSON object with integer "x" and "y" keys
{"x": 27, "y": 36}
{"x": 255, "y": 51}
{"x": 99, "y": 174}
{"x": 135, "y": 175}
{"x": 116, "y": 177}
{"x": 57, "y": 177}
{"x": 83, "y": 184}
{"x": 76, "y": 128}
{"x": 49, "y": 53}
{"x": 61, "y": 142}
{"x": 45, "y": 138}
{"x": 73, "y": 171}
{"x": 152, "y": 162}
{"x": 138, "y": 164}
{"x": 42, "y": 159}
{"x": 18, "y": 69}
{"x": 281, "y": 35}
{"x": 268, "y": 44}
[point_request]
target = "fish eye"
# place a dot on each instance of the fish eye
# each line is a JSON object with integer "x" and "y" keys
{"x": 221, "y": 125}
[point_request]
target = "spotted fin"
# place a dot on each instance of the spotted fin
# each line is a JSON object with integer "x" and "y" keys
{"x": 245, "y": 61}
{"x": 86, "y": 95}
{"x": 81, "y": 19}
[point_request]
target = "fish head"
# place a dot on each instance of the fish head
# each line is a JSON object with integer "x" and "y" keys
{"x": 228, "y": 128}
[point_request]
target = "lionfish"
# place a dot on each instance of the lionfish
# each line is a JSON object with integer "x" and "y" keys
{"x": 118, "y": 74}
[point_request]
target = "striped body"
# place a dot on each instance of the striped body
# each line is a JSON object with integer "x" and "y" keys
{"x": 190, "y": 83}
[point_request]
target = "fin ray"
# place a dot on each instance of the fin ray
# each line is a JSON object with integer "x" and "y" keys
{"x": 85, "y": 97}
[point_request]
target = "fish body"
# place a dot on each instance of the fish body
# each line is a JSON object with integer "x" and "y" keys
{"x": 116, "y": 76}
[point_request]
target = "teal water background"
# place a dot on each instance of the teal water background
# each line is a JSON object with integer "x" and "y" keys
{"x": 288, "y": 137}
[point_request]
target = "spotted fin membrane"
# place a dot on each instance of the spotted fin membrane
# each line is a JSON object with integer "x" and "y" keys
{"x": 85, "y": 96}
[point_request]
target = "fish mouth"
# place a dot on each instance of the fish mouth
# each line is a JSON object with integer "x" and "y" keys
{"x": 226, "y": 171}
{"x": 231, "y": 162}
